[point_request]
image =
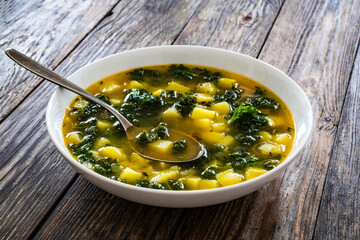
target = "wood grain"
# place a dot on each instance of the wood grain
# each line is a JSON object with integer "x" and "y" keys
{"x": 340, "y": 204}
{"x": 33, "y": 175}
{"x": 91, "y": 213}
{"x": 310, "y": 52}
{"x": 45, "y": 30}
{"x": 241, "y": 26}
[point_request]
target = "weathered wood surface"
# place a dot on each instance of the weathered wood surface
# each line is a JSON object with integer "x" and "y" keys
{"x": 314, "y": 42}
{"x": 45, "y": 30}
{"x": 30, "y": 165}
{"x": 339, "y": 215}
{"x": 310, "y": 53}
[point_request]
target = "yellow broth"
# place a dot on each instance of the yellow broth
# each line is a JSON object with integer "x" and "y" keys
{"x": 236, "y": 151}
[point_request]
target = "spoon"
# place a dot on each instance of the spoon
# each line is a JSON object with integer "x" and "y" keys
{"x": 194, "y": 149}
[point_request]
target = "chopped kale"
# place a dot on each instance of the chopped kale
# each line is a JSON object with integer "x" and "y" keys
{"x": 270, "y": 164}
{"x": 196, "y": 74}
{"x": 150, "y": 184}
{"x": 246, "y": 139}
{"x": 179, "y": 147}
{"x": 84, "y": 146}
{"x": 104, "y": 98}
{"x": 161, "y": 131}
{"x": 172, "y": 96}
{"x": 262, "y": 102}
{"x": 144, "y": 138}
{"x": 229, "y": 96}
{"x": 149, "y": 76}
{"x": 140, "y": 104}
{"x": 186, "y": 105}
{"x": 174, "y": 185}
{"x": 259, "y": 92}
{"x": 210, "y": 172}
{"x": 248, "y": 119}
{"x": 95, "y": 110}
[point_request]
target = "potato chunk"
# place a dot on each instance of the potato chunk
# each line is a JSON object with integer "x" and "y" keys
{"x": 275, "y": 121}
{"x": 134, "y": 84}
{"x": 229, "y": 177}
{"x": 74, "y": 137}
{"x": 271, "y": 149}
{"x": 162, "y": 146}
{"x": 253, "y": 172}
{"x": 171, "y": 114}
{"x": 178, "y": 87}
{"x": 265, "y": 136}
{"x": 158, "y": 92}
{"x": 222, "y": 107}
{"x": 113, "y": 152}
{"x": 192, "y": 183}
{"x": 130, "y": 176}
{"x": 101, "y": 142}
{"x": 103, "y": 125}
{"x": 109, "y": 88}
{"x": 165, "y": 175}
{"x": 219, "y": 127}
{"x": 136, "y": 158}
{"x": 226, "y": 83}
{"x": 203, "y": 97}
{"x": 208, "y": 184}
{"x": 227, "y": 141}
{"x": 207, "y": 87}
{"x": 115, "y": 102}
{"x": 81, "y": 103}
{"x": 199, "y": 113}
{"x": 211, "y": 137}
{"x": 282, "y": 138}
{"x": 203, "y": 124}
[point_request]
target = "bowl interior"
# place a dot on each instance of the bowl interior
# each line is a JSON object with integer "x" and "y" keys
{"x": 261, "y": 72}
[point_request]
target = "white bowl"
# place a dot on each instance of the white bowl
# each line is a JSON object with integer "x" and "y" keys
{"x": 262, "y": 72}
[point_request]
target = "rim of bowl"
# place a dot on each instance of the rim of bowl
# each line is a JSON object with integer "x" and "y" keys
{"x": 260, "y": 179}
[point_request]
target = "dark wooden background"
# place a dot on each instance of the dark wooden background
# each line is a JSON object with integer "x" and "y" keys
{"x": 314, "y": 42}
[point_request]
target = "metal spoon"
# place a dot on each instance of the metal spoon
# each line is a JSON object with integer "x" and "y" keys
{"x": 194, "y": 149}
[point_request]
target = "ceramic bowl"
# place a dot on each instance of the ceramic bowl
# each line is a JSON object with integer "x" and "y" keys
{"x": 260, "y": 71}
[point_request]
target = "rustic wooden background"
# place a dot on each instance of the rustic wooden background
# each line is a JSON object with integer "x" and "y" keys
{"x": 315, "y": 42}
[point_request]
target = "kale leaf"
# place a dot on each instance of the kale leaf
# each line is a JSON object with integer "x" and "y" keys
{"x": 186, "y": 105}
{"x": 248, "y": 119}
{"x": 229, "y": 96}
{"x": 139, "y": 104}
{"x": 262, "y": 102}
{"x": 196, "y": 74}
{"x": 152, "y": 77}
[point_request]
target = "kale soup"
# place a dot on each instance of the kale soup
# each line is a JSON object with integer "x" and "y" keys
{"x": 246, "y": 129}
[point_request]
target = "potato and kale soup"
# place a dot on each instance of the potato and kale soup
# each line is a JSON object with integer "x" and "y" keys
{"x": 246, "y": 129}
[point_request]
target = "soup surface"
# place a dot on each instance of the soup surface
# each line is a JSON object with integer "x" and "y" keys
{"x": 246, "y": 129}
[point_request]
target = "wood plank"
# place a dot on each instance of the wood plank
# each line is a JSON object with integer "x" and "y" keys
{"x": 91, "y": 213}
{"x": 68, "y": 214}
{"x": 315, "y": 42}
{"x": 239, "y": 26}
{"x": 340, "y": 204}
{"x": 45, "y": 30}
{"x": 33, "y": 175}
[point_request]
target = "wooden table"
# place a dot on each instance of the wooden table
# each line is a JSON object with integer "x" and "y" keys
{"x": 314, "y": 42}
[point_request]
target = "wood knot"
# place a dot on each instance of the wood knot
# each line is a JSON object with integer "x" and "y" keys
{"x": 328, "y": 119}
{"x": 247, "y": 18}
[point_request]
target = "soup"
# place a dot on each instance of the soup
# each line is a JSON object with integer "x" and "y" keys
{"x": 246, "y": 129}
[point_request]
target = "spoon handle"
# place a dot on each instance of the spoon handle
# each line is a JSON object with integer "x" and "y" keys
{"x": 47, "y": 74}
